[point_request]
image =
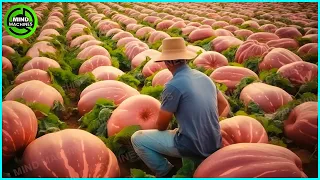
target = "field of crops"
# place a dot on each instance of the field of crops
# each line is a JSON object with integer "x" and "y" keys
{"x": 77, "y": 89}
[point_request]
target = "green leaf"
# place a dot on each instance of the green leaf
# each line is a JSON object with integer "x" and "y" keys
{"x": 275, "y": 79}
{"x": 253, "y": 64}
{"x": 311, "y": 86}
{"x": 242, "y": 84}
{"x": 137, "y": 173}
{"x": 241, "y": 113}
{"x": 129, "y": 80}
{"x": 254, "y": 108}
{"x": 50, "y": 123}
{"x": 277, "y": 141}
{"x": 205, "y": 43}
{"x": 124, "y": 136}
{"x": 221, "y": 87}
{"x": 302, "y": 41}
{"x": 189, "y": 165}
{"x": 230, "y": 53}
{"x": 156, "y": 45}
{"x": 95, "y": 120}
{"x": 266, "y": 73}
{"x": 152, "y": 91}
{"x": 235, "y": 64}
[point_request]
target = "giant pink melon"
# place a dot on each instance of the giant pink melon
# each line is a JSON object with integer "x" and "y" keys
{"x": 6, "y": 64}
{"x": 250, "y": 49}
{"x": 309, "y": 49}
{"x": 107, "y": 73}
{"x": 312, "y": 37}
{"x": 163, "y": 25}
{"x": 33, "y": 74}
{"x": 126, "y": 40}
{"x": 251, "y": 24}
{"x": 247, "y": 160}
{"x": 286, "y": 43}
{"x": 162, "y": 77}
{"x": 49, "y": 32}
{"x": 312, "y": 31}
{"x": 42, "y": 63}
{"x": 243, "y": 33}
{"x": 242, "y": 129}
{"x": 81, "y": 21}
{"x": 288, "y": 32}
{"x": 152, "y": 67}
{"x": 91, "y": 51}
{"x": 222, "y": 43}
{"x": 35, "y": 91}
{"x": 121, "y": 35}
{"x": 302, "y": 124}
{"x": 7, "y": 51}
{"x": 188, "y": 29}
{"x": 133, "y": 27}
{"x": 223, "y": 32}
{"x": 139, "y": 58}
{"x": 78, "y": 41}
{"x": 268, "y": 98}
{"x": 236, "y": 21}
{"x": 157, "y": 36}
{"x": 231, "y": 75}
{"x": 94, "y": 62}
{"x": 140, "y": 110}
{"x": 19, "y": 128}
{"x": 10, "y": 41}
{"x": 52, "y": 25}
{"x": 110, "y": 89}
{"x": 144, "y": 31}
{"x": 208, "y": 21}
{"x": 219, "y": 24}
{"x": 73, "y": 33}
{"x": 277, "y": 57}
{"x": 70, "y": 153}
{"x": 211, "y": 60}
{"x": 223, "y": 105}
{"x": 271, "y": 28}
{"x": 90, "y": 43}
{"x": 263, "y": 37}
{"x": 299, "y": 72}
{"x": 200, "y": 34}
{"x": 133, "y": 48}
{"x": 42, "y": 46}
{"x": 106, "y": 27}
{"x": 178, "y": 24}
{"x": 231, "y": 28}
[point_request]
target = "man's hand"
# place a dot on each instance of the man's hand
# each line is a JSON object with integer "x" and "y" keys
{"x": 164, "y": 119}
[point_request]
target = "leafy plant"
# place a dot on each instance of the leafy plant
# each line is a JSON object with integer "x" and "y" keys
{"x": 189, "y": 166}
{"x": 95, "y": 121}
{"x": 130, "y": 80}
{"x": 230, "y": 53}
{"x": 138, "y": 173}
{"x": 253, "y": 64}
{"x": 205, "y": 43}
{"x": 48, "y": 122}
{"x": 152, "y": 91}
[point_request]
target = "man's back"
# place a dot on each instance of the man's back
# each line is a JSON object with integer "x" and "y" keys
{"x": 196, "y": 112}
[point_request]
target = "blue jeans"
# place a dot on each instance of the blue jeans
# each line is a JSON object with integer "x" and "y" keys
{"x": 151, "y": 145}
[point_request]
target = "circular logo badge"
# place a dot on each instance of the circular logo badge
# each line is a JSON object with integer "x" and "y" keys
{"x": 20, "y": 21}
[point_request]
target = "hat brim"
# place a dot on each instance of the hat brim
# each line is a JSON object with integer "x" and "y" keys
{"x": 171, "y": 56}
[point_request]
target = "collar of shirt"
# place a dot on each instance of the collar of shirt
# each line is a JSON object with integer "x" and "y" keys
{"x": 181, "y": 68}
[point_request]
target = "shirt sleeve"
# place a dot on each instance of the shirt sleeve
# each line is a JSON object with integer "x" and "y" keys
{"x": 170, "y": 98}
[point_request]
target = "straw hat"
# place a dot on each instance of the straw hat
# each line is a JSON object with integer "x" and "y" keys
{"x": 174, "y": 49}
